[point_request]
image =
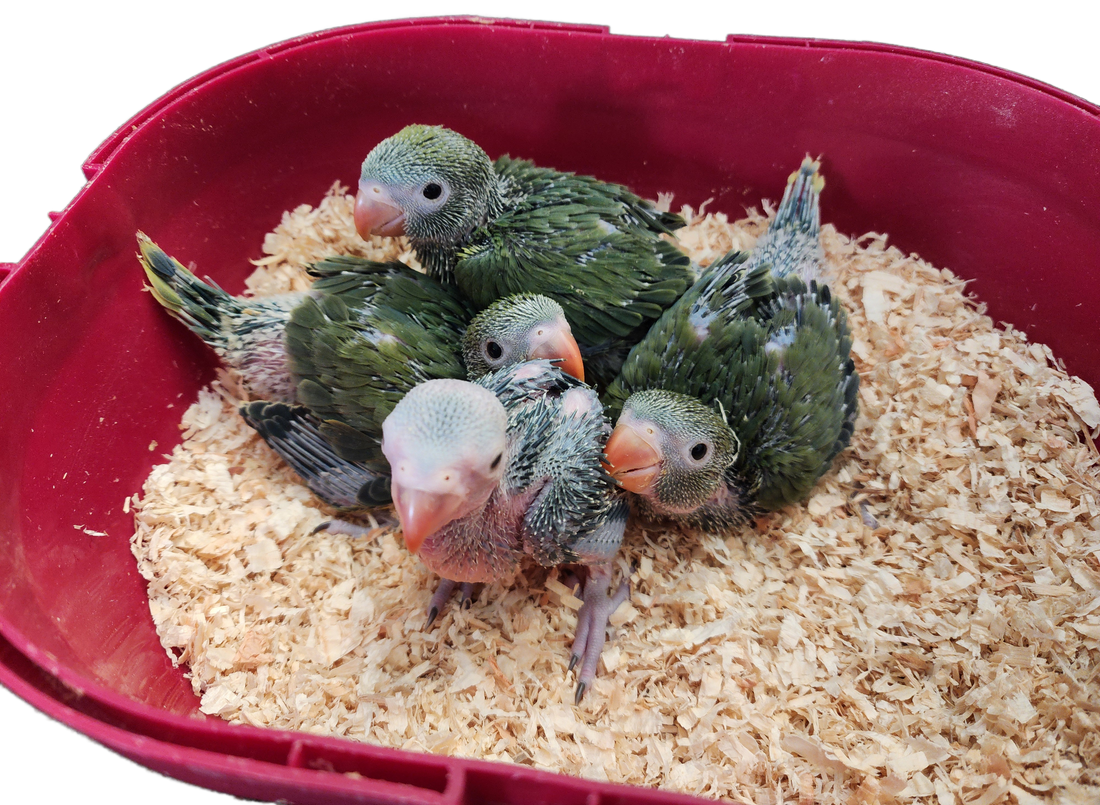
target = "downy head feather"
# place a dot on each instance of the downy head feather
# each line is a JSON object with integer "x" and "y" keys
{"x": 697, "y": 446}
{"x": 445, "y": 183}
{"x": 501, "y": 334}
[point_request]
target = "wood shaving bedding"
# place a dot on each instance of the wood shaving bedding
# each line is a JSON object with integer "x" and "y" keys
{"x": 926, "y": 628}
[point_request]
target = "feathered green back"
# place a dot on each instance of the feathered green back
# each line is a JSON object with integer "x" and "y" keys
{"x": 368, "y": 334}
{"x": 799, "y": 413}
{"x": 684, "y": 350}
{"x": 367, "y": 285}
{"x": 593, "y": 247}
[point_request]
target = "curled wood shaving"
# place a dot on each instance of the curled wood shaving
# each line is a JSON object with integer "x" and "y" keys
{"x": 926, "y": 628}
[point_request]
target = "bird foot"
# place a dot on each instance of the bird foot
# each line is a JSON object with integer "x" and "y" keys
{"x": 592, "y": 624}
{"x": 443, "y": 594}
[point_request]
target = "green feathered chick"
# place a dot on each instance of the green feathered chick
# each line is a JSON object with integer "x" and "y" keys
{"x": 332, "y": 362}
{"x": 354, "y": 370}
{"x": 506, "y": 227}
{"x": 742, "y": 394}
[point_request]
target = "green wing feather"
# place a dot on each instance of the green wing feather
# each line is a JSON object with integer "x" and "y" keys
{"x": 352, "y": 373}
{"x": 768, "y": 352}
{"x": 594, "y": 247}
{"x": 368, "y": 285}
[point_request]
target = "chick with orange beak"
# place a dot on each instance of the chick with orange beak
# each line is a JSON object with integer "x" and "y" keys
{"x": 744, "y": 392}
{"x": 485, "y": 474}
{"x": 673, "y": 452}
{"x": 494, "y": 228}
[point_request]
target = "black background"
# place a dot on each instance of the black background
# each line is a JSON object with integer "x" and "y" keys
{"x": 68, "y": 83}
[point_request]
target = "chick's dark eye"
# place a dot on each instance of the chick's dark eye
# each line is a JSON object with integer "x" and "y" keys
{"x": 699, "y": 451}
{"x": 432, "y": 191}
{"x": 496, "y": 461}
{"x": 493, "y": 350}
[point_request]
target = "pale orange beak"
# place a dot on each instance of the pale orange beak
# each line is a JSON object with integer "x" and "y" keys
{"x": 556, "y": 343}
{"x": 632, "y": 459}
{"x": 376, "y": 213}
{"x": 423, "y": 513}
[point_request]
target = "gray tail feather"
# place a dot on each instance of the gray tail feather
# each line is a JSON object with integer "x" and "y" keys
{"x": 800, "y": 208}
{"x": 792, "y": 244}
{"x": 294, "y": 433}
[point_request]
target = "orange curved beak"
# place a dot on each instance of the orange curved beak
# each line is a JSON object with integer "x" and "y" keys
{"x": 422, "y": 513}
{"x": 631, "y": 458}
{"x": 556, "y": 343}
{"x": 376, "y": 213}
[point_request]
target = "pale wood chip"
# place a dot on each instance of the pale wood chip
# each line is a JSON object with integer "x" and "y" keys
{"x": 983, "y": 394}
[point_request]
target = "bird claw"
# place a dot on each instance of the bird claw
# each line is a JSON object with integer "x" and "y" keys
{"x": 442, "y": 595}
{"x": 592, "y": 624}
{"x": 439, "y": 600}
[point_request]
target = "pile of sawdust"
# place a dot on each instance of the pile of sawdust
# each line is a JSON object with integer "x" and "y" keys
{"x": 925, "y": 627}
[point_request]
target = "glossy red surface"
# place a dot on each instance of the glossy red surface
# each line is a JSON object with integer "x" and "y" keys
{"x": 991, "y": 174}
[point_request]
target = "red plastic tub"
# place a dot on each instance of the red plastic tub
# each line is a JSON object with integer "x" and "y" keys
{"x": 989, "y": 173}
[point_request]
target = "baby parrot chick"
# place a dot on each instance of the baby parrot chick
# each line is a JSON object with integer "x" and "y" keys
{"x": 488, "y": 473}
{"x": 742, "y": 394}
{"x": 496, "y": 228}
{"x": 329, "y": 364}
{"x": 354, "y": 373}
{"x": 485, "y": 475}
